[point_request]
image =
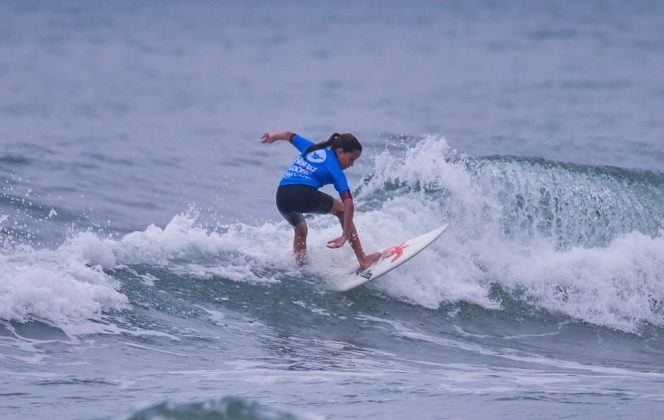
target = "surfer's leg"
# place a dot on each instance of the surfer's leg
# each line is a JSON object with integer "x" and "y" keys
{"x": 289, "y": 203}
{"x": 354, "y": 239}
{"x": 300, "y": 242}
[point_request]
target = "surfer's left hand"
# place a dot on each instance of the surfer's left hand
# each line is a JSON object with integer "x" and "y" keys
{"x": 337, "y": 243}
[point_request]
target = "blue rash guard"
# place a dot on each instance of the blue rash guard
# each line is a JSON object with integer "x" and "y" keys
{"x": 316, "y": 169}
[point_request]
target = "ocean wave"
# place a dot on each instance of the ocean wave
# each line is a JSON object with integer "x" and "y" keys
{"x": 579, "y": 240}
{"x": 584, "y": 242}
{"x": 229, "y": 408}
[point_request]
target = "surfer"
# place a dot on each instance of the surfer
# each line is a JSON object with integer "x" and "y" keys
{"x": 319, "y": 164}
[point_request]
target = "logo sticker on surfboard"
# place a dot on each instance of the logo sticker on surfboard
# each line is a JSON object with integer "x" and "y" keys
{"x": 395, "y": 251}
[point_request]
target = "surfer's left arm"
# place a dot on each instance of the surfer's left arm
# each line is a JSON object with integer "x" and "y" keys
{"x": 349, "y": 209}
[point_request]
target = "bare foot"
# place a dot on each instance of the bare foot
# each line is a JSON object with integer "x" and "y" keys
{"x": 368, "y": 260}
{"x": 301, "y": 258}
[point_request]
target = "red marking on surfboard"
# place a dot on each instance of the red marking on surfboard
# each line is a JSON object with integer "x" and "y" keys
{"x": 396, "y": 251}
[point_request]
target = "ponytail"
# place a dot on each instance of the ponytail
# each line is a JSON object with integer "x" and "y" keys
{"x": 345, "y": 141}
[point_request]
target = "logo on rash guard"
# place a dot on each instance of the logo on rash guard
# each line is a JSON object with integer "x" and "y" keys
{"x": 317, "y": 156}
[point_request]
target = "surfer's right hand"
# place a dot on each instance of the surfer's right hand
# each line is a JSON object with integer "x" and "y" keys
{"x": 268, "y": 138}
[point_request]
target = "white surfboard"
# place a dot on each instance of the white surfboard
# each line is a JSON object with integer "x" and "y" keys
{"x": 390, "y": 259}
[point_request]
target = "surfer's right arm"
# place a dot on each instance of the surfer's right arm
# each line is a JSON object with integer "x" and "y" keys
{"x": 282, "y": 135}
{"x": 296, "y": 140}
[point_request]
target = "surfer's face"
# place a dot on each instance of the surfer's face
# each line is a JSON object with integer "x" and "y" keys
{"x": 346, "y": 159}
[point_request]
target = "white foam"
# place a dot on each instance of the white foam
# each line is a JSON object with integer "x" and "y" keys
{"x": 58, "y": 287}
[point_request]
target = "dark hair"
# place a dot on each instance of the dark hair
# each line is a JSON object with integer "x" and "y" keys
{"x": 345, "y": 141}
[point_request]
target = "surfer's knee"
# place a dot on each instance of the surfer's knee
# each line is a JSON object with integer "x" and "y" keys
{"x": 337, "y": 207}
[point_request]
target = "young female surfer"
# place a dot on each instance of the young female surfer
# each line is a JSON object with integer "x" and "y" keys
{"x": 319, "y": 164}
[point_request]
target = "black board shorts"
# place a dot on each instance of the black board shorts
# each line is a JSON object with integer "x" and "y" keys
{"x": 293, "y": 200}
